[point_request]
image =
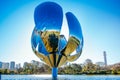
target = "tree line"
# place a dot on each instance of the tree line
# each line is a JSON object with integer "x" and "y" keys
{"x": 87, "y": 68}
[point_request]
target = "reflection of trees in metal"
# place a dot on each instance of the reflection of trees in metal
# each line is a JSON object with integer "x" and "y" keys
{"x": 47, "y": 43}
{"x": 50, "y": 40}
{"x": 53, "y": 42}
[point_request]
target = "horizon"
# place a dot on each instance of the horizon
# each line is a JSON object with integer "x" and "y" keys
{"x": 22, "y": 64}
{"x": 100, "y": 23}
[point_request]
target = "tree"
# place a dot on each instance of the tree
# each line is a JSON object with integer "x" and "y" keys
{"x": 89, "y": 67}
{"x": 76, "y": 68}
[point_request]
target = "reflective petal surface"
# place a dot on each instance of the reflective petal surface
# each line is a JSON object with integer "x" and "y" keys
{"x": 75, "y": 41}
{"x": 48, "y": 16}
{"x": 46, "y": 41}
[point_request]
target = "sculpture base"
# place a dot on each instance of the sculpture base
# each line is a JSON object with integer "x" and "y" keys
{"x": 54, "y": 72}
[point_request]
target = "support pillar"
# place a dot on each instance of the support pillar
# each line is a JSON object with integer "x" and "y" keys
{"x": 54, "y": 72}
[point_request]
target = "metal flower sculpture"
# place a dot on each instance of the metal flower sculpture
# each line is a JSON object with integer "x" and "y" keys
{"x": 46, "y": 41}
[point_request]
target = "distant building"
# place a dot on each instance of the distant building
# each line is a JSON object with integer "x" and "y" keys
{"x": 105, "y": 58}
{"x": 36, "y": 63}
{"x": 5, "y": 65}
{"x": 101, "y": 64}
{"x": 33, "y": 62}
{"x": 18, "y": 66}
{"x": 0, "y": 65}
{"x": 25, "y": 64}
{"x": 88, "y": 61}
{"x": 12, "y": 65}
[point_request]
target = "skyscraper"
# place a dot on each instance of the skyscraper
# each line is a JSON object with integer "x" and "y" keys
{"x": 18, "y": 66}
{"x": 105, "y": 58}
{"x": 12, "y": 65}
{"x": 25, "y": 64}
{"x": 36, "y": 63}
{"x": 0, "y": 64}
{"x": 5, "y": 65}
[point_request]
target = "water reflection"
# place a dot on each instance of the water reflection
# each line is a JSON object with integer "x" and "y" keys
{"x": 60, "y": 77}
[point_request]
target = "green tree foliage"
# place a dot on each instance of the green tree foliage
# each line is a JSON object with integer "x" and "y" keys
{"x": 86, "y": 68}
{"x": 71, "y": 69}
{"x": 34, "y": 69}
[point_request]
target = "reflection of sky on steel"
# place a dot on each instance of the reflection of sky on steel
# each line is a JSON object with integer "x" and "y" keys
{"x": 47, "y": 42}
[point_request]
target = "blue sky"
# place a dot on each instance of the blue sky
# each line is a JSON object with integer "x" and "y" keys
{"x": 99, "y": 19}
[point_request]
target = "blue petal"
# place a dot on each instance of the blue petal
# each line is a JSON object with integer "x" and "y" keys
{"x": 74, "y": 26}
{"x": 48, "y": 15}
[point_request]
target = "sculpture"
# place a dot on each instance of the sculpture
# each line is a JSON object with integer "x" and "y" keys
{"x": 46, "y": 41}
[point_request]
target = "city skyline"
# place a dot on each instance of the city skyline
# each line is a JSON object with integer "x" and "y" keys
{"x": 9, "y": 65}
{"x": 12, "y": 65}
{"x": 100, "y": 22}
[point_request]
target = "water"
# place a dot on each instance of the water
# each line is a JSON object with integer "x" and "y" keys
{"x": 60, "y": 77}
